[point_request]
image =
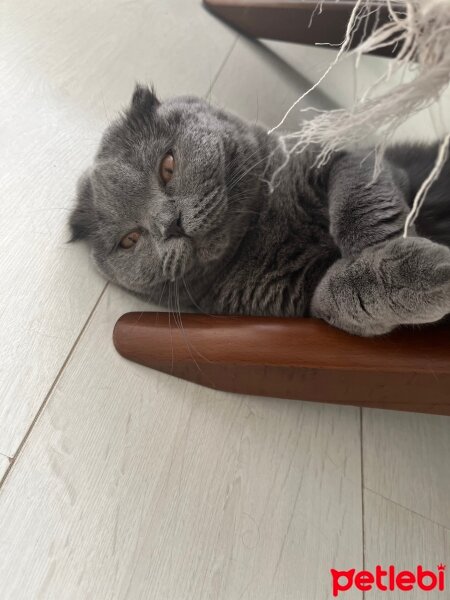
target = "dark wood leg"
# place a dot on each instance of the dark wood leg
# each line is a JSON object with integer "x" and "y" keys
{"x": 301, "y": 359}
{"x": 300, "y": 22}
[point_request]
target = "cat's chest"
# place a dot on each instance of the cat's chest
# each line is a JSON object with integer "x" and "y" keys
{"x": 276, "y": 269}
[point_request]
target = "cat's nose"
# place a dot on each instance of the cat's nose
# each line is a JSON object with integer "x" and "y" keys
{"x": 175, "y": 228}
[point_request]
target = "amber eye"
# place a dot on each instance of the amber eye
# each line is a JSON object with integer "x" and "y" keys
{"x": 167, "y": 167}
{"x": 129, "y": 240}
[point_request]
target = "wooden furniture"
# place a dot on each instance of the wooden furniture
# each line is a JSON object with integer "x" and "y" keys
{"x": 295, "y": 358}
{"x": 303, "y": 22}
{"x": 302, "y": 359}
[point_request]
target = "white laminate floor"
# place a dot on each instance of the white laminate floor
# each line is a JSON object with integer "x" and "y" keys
{"x": 119, "y": 482}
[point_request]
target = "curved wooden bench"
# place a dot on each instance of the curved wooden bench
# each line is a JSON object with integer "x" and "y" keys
{"x": 301, "y": 359}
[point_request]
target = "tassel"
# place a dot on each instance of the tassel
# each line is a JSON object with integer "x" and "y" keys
{"x": 422, "y": 29}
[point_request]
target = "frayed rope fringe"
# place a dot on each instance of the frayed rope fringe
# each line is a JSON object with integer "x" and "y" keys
{"x": 422, "y": 28}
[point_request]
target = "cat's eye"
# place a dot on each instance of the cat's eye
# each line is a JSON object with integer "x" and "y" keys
{"x": 129, "y": 240}
{"x": 167, "y": 167}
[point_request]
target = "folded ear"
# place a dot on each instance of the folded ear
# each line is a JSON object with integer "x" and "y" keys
{"x": 144, "y": 100}
{"x": 82, "y": 219}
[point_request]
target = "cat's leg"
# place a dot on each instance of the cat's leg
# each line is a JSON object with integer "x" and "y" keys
{"x": 404, "y": 281}
{"x": 364, "y": 212}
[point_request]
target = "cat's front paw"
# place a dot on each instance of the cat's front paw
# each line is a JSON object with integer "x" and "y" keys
{"x": 416, "y": 274}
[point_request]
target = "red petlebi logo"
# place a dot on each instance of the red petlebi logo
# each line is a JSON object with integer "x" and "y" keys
{"x": 388, "y": 579}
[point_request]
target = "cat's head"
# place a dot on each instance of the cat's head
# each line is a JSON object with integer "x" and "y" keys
{"x": 156, "y": 205}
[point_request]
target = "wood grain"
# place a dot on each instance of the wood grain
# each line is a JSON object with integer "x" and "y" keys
{"x": 396, "y": 536}
{"x": 144, "y": 486}
{"x": 67, "y": 68}
{"x": 4, "y": 464}
{"x": 406, "y": 459}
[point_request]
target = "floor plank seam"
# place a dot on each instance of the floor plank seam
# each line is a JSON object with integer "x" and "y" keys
{"x": 12, "y": 460}
{"x": 363, "y": 519}
{"x": 417, "y": 514}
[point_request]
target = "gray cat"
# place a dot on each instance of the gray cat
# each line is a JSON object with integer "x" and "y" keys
{"x": 177, "y": 208}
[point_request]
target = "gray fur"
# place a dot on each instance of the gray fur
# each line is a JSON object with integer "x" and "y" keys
{"x": 326, "y": 243}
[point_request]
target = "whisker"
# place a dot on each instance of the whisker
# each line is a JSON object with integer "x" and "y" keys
{"x": 194, "y": 302}
{"x": 239, "y": 179}
{"x": 238, "y": 161}
{"x": 241, "y": 175}
{"x": 170, "y": 325}
{"x": 184, "y": 332}
{"x": 187, "y": 342}
{"x": 241, "y": 170}
{"x": 160, "y": 298}
{"x": 242, "y": 163}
